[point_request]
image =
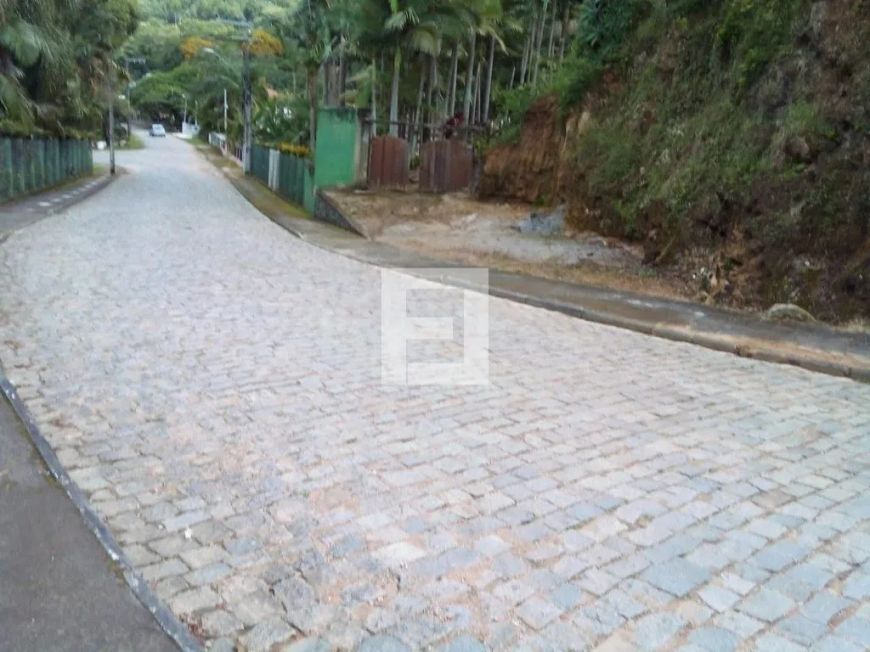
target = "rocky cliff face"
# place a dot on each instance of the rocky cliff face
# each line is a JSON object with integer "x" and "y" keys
{"x": 741, "y": 166}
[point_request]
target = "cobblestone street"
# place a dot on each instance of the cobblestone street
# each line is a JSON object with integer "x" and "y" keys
{"x": 214, "y": 386}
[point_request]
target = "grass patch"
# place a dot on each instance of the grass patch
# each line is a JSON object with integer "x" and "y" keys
{"x": 133, "y": 143}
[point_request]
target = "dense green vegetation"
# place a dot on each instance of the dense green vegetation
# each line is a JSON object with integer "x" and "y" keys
{"x": 410, "y": 62}
{"x": 735, "y": 126}
{"x": 727, "y": 135}
{"x": 56, "y": 62}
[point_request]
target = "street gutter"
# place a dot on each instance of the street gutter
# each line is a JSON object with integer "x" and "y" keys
{"x": 173, "y": 627}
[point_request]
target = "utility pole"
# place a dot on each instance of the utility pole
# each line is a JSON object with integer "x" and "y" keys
{"x": 248, "y": 137}
{"x": 247, "y": 92}
{"x": 111, "y": 124}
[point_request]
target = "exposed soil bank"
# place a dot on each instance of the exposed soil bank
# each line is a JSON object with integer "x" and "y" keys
{"x": 460, "y": 229}
{"x": 737, "y": 157}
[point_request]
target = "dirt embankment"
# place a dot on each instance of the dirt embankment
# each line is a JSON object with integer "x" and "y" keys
{"x": 752, "y": 193}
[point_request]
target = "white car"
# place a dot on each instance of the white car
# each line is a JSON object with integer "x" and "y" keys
{"x": 157, "y": 130}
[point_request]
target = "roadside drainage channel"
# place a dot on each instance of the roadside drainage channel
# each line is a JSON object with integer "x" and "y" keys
{"x": 713, "y": 328}
{"x": 173, "y": 627}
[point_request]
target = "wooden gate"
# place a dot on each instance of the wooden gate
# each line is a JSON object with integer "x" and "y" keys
{"x": 388, "y": 162}
{"x": 445, "y": 166}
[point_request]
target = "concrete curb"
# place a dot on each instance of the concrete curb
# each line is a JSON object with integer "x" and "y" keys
{"x": 28, "y": 217}
{"x": 855, "y": 367}
{"x": 173, "y": 627}
{"x": 742, "y": 347}
{"x": 674, "y": 334}
{"x": 101, "y": 183}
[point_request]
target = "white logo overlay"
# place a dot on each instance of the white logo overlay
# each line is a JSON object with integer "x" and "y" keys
{"x": 399, "y": 329}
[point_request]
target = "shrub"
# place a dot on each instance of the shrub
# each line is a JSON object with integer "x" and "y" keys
{"x": 752, "y": 33}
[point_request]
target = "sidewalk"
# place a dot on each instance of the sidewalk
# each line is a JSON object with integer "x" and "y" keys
{"x": 815, "y": 347}
{"x": 58, "y": 588}
{"x": 32, "y": 208}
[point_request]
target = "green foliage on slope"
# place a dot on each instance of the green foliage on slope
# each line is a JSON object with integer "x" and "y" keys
{"x": 738, "y": 127}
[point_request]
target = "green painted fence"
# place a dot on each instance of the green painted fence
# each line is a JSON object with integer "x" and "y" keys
{"x": 288, "y": 175}
{"x": 28, "y": 164}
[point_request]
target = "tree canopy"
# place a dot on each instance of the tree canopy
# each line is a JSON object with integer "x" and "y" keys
{"x": 56, "y": 57}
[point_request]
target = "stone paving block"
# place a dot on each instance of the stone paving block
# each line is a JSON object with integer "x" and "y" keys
{"x": 718, "y": 598}
{"x": 219, "y": 623}
{"x": 194, "y": 600}
{"x": 537, "y": 613}
{"x": 567, "y": 596}
{"x": 855, "y": 629}
{"x": 203, "y": 556}
{"x": 677, "y": 576}
{"x": 714, "y": 639}
{"x": 857, "y": 586}
{"x": 265, "y": 635}
{"x": 655, "y": 631}
{"x": 308, "y": 644}
{"x": 767, "y": 605}
{"x": 255, "y": 607}
{"x": 836, "y": 644}
{"x": 773, "y": 643}
{"x": 463, "y": 643}
{"x": 597, "y": 582}
{"x": 564, "y": 637}
{"x": 801, "y": 629}
{"x": 491, "y": 545}
{"x": 513, "y": 591}
{"x": 208, "y": 574}
{"x": 399, "y": 554}
{"x": 599, "y": 619}
{"x": 742, "y": 625}
{"x": 163, "y": 569}
{"x": 823, "y": 606}
{"x": 779, "y": 555}
{"x": 627, "y": 606}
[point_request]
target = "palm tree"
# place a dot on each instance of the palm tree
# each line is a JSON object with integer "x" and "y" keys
{"x": 54, "y": 58}
{"x": 488, "y": 14}
{"x": 307, "y": 38}
{"x": 24, "y": 40}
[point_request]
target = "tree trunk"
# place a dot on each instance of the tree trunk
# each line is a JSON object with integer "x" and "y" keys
{"x": 374, "y": 97}
{"x": 332, "y": 93}
{"x": 524, "y": 64}
{"x": 342, "y": 77}
{"x": 418, "y": 113}
{"x": 489, "y": 66}
{"x": 454, "y": 73}
{"x": 469, "y": 81}
{"x": 394, "y": 92}
{"x": 478, "y": 92}
{"x": 539, "y": 40}
{"x": 566, "y": 22}
{"x": 513, "y": 76}
{"x": 430, "y": 112}
{"x": 552, "y": 30}
{"x": 312, "y": 107}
